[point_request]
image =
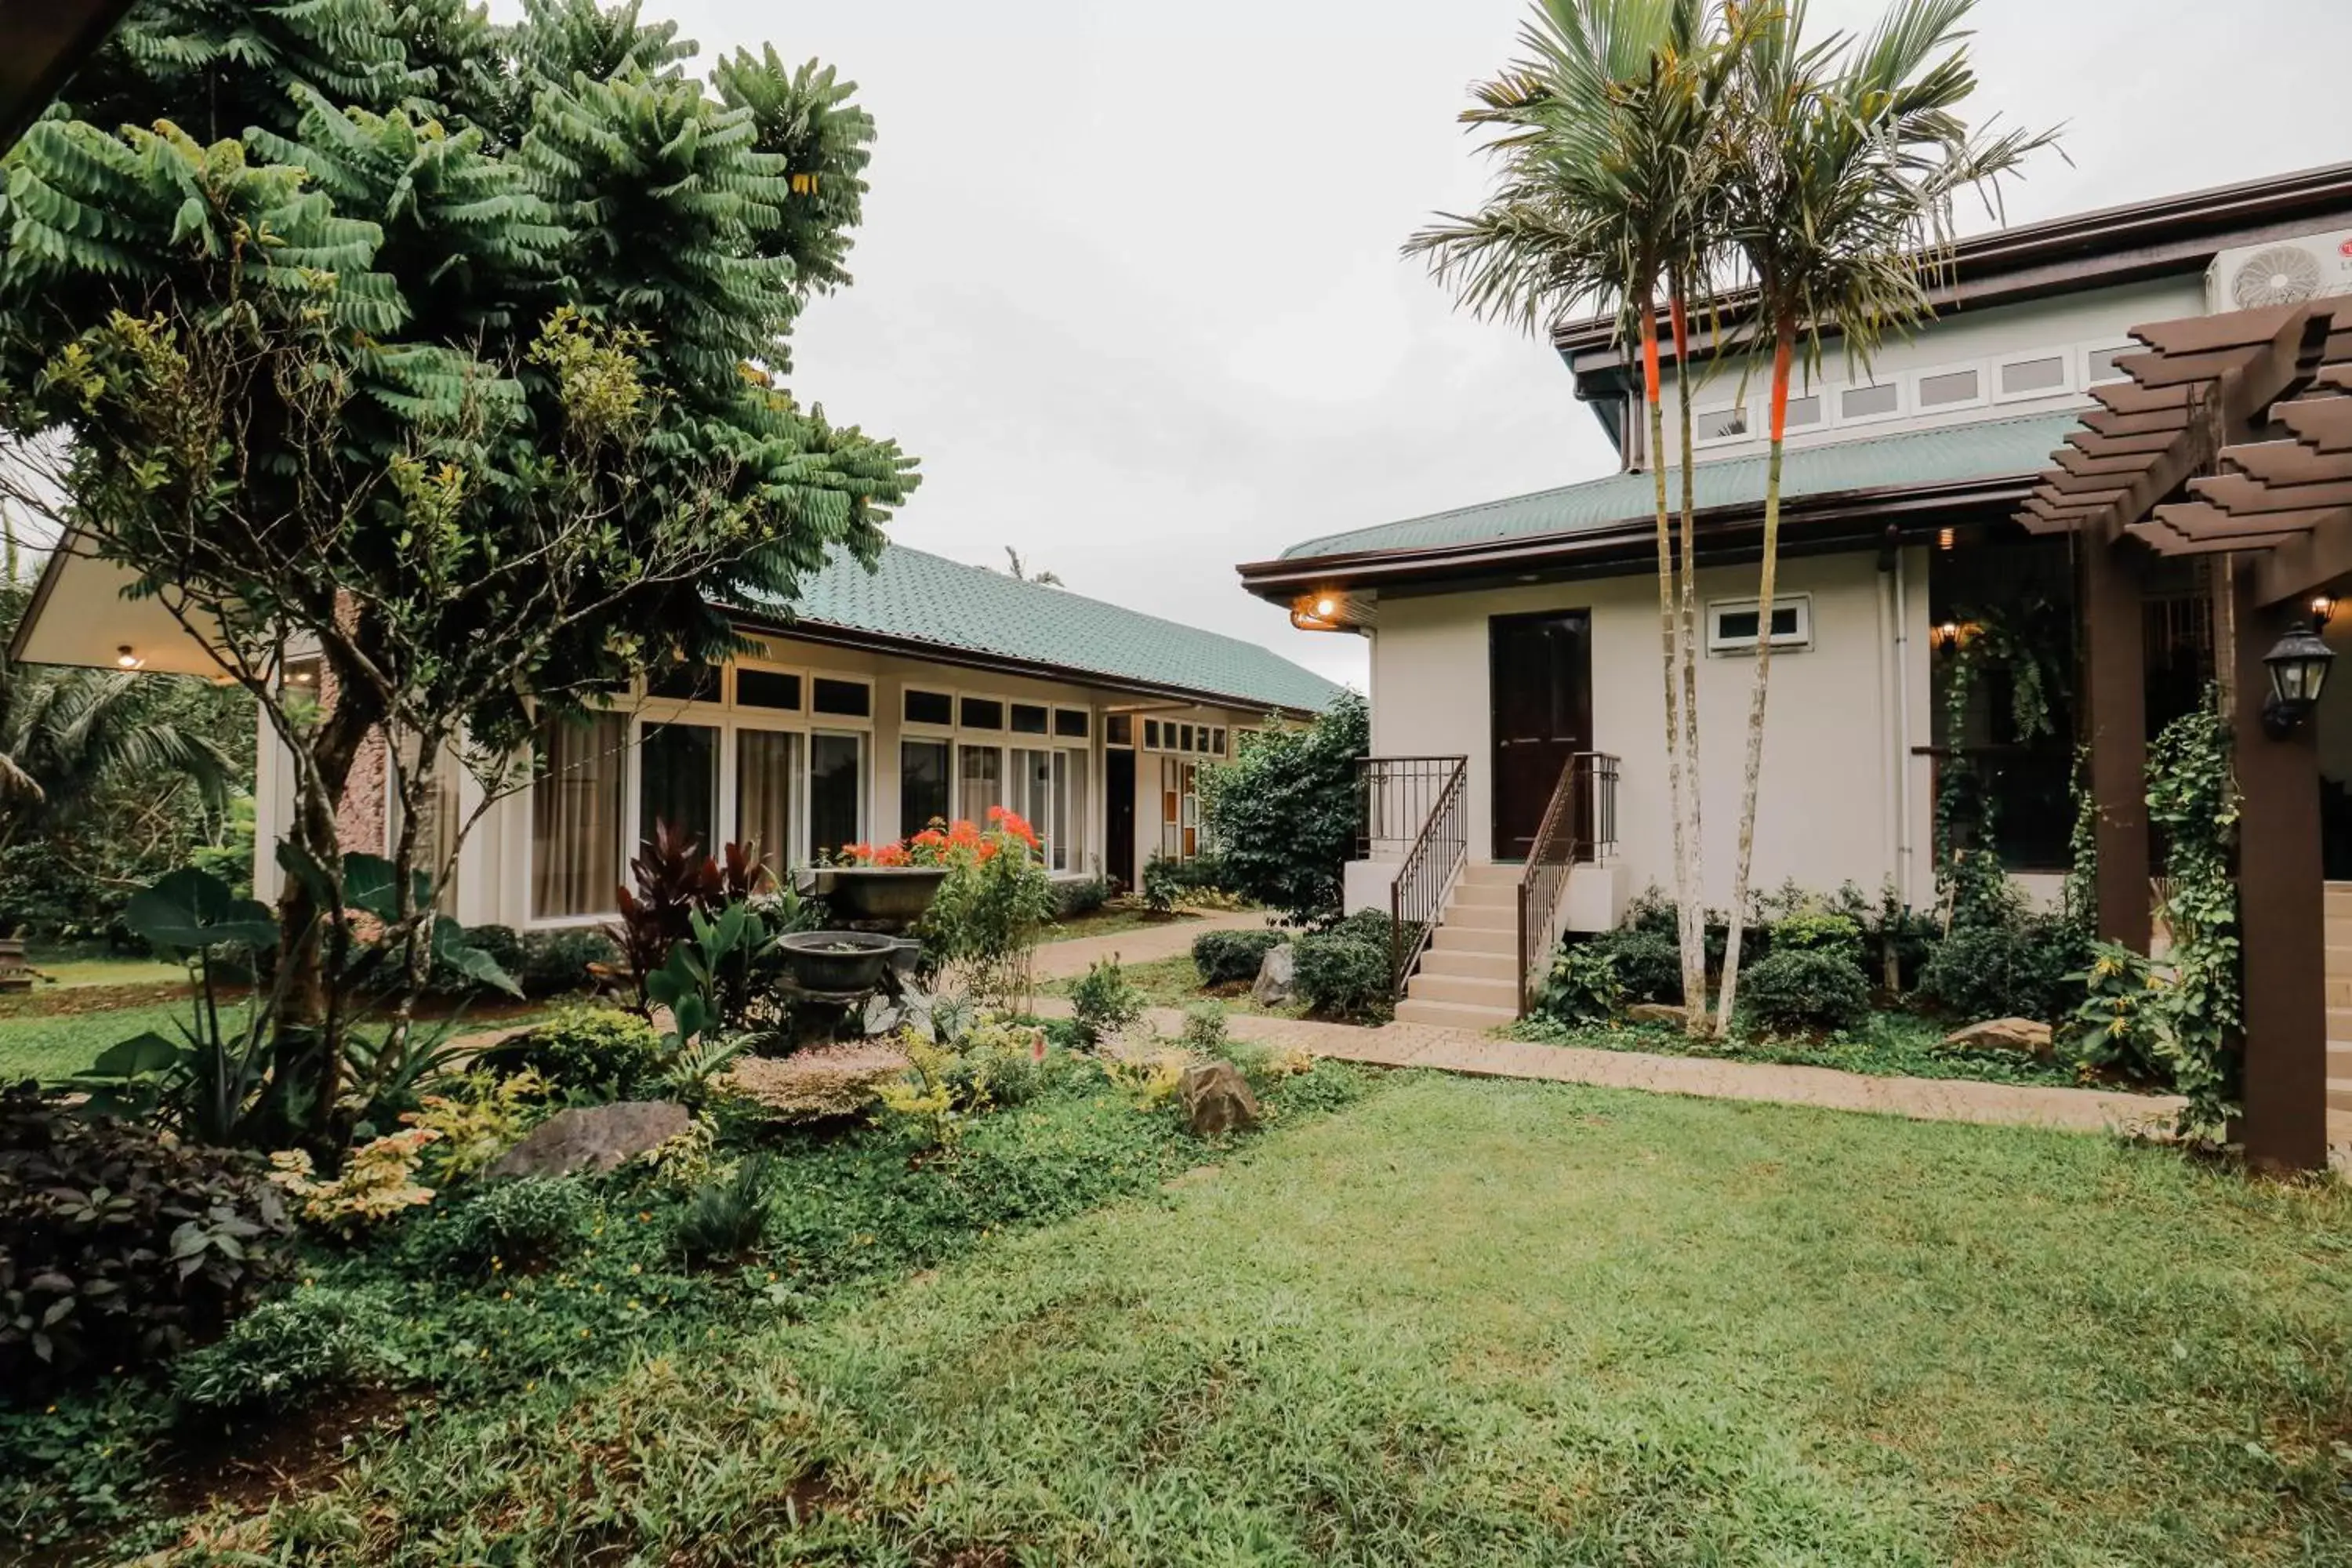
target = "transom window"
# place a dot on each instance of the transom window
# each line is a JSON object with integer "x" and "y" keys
{"x": 1732, "y": 624}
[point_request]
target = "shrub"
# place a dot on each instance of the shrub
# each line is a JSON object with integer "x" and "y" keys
{"x": 1205, "y": 1030}
{"x": 996, "y": 900}
{"x": 1643, "y": 961}
{"x": 1104, "y": 1002}
{"x": 2027, "y": 969}
{"x": 1796, "y": 990}
{"x": 502, "y": 943}
{"x": 480, "y": 1119}
{"x": 509, "y": 1225}
{"x": 116, "y": 1248}
{"x": 999, "y": 1063}
{"x": 1233, "y": 957}
{"x": 284, "y": 1352}
{"x": 726, "y": 1219}
{"x": 2120, "y": 1024}
{"x": 1817, "y": 931}
{"x": 378, "y": 1183}
{"x": 557, "y": 963}
{"x": 1079, "y": 896}
{"x": 1344, "y": 973}
{"x": 1581, "y": 987}
{"x": 1165, "y": 883}
{"x": 1285, "y": 810}
{"x": 584, "y": 1053}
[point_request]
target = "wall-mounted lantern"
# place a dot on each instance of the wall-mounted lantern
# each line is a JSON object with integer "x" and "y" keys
{"x": 2297, "y": 664}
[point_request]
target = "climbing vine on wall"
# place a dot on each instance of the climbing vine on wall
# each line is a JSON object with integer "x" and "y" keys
{"x": 2193, "y": 800}
{"x": 2083, "y": 849}
{"x": 2023, "y": 644}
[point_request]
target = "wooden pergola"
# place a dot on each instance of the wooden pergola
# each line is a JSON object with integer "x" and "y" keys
{"x": 2231, "y": 441}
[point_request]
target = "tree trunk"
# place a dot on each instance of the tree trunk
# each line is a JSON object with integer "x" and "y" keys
{"x": 1694, "y": 999}
{"x": 1690, "y": 850}
{"x": 1784, "y": 338}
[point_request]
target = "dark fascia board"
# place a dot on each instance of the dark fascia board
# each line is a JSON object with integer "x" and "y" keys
{"x": 43, "y": 586}
{"x": 1844, "y": 520}
{"x": 2104, "y": 248}
{"x": 42, "y": 44}
{"x": 833, "y": 634}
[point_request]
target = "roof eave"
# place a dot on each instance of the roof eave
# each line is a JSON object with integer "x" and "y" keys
{"x": 42, "y": 45}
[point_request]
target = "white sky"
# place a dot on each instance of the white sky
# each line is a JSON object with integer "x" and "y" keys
{"x": 1128, "y": 282}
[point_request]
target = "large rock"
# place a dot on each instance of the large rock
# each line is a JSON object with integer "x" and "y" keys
{"x": 1217, "y": 1100}
{"x": 596, "y": 1138}
{"x": 1277, "y": 977}
{"x": 1654, "y": 1013}
{"x": 2001, "y": 1034}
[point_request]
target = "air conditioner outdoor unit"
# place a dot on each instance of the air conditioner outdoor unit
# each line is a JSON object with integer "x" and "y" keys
{"x": 2282, "y": 272}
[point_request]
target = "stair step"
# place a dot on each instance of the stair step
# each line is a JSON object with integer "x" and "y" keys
{"x": 1485, "y": 873}
{"x": 1477, "y": 939}
{"x": 2339, "y": 991}
{"x": 2340, "y": 1094}
{"x": 1482, "y": 917}
{"x": 1468, "y": 990}
{"x": 1452, "y": 1014}
{"x": 2339, "y": 1023}
{"x": 1484, "y": 896}
{"x": 1467, "y": 963}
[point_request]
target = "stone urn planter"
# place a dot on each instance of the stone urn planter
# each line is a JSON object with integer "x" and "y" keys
{"x": 837, "y": 962}
{"x": 898, "y": 895}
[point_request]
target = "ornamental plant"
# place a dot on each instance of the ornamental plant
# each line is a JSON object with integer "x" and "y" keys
{"x": 379, "y": 1182}
{"x": 996, "y": 900}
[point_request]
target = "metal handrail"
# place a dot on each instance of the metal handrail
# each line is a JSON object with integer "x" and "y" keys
{"x": 1426, "y": 878}
{"x": 1579, "y": 821}
{"x": 1395, "y": 796}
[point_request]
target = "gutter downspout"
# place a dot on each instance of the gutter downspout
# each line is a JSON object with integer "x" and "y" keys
{"x": 1889, "y": 671}
{"x": 1903, "y": 729}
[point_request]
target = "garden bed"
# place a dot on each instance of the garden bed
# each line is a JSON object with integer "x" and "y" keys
{"x": 1176, "y": 983}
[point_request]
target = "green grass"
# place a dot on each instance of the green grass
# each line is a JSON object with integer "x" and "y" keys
{"x": 80, "y": 971}
{"x": 1112, "y": 919}
{"x": 1175, "y": 982}
{"x": 1474, "y": 1322}
{"x": 1896, "y": 1045}
{"x": 62, "y": 1044}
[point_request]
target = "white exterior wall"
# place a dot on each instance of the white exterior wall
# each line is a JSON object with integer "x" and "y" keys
{"x": 2076, "y": 325}
{"x": 494, "y": 866}
{"x": 1835, "y": 753}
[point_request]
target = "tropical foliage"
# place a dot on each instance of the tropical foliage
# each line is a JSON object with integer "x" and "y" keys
{"x": 1284, "y": 813}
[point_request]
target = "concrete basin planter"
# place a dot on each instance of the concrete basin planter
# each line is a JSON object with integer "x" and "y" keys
{"x": 837, "y": 960}
{"x": 898, "y": 894}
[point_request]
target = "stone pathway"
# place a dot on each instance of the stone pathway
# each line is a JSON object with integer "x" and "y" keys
{"x": 1137, "y": 945}
{"x": 1924, "y": 1100}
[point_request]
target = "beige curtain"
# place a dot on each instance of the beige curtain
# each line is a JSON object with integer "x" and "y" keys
{"x": 575, "y": 818}
{"x": 766, "y": 763}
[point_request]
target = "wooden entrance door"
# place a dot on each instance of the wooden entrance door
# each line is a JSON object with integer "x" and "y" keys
{"x": 1118, "y": 791}
{"x": 1540, "y": 673}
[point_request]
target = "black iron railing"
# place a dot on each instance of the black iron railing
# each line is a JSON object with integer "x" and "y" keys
{"x": 1425, "y": 878}
{"x": 1399, "y": 795}
{"x": 1579, "y": 823}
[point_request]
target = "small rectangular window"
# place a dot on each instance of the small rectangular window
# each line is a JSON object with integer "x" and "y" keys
{"x": 685, "y": 683}
{"x": 1118, "y": 729}
{"x": 2099, "y": 366}
{"x": 1029, "y": 718}
{"x": 1950, "y": 387}
{"x": 1151, "y": 734}
{"x": 1805, "y": 411}
{"x": 768, "y": 689}
{"x": 1184, "y": 737}
{"x": 1072, "y": 723}
{"x": 1731, "y": 624}
{"x": 2022, "y": 377}
{"x": 1722, "y": 425}
{"x": 929, "y": 706}
{"x": 1870, "y": 402}
{"x": 847, "y": 698}
{"x": 982, "y": 713}
{"x": 1217, "y": 742}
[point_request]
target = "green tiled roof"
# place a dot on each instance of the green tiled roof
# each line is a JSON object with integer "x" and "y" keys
{"x": 927, "y": 599}
{"x": 1986, "y": 450}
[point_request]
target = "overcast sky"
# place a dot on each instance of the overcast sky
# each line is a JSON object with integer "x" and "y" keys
{"x": 1128, "y": 283}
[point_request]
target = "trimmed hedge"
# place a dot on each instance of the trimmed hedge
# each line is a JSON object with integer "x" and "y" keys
{"x": 1233, "y": 957}
{"x": 1797, "y": 990}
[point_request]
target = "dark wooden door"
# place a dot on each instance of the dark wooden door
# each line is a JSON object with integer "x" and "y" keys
{"x": 1118, "y": 791}
{"x": 1540, "y": 680}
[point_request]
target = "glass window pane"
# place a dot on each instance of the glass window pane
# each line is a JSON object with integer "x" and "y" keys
{"x": 1723, "y": 424}
{"x": 2033, "y": 375}
{"x": 1151, "y": 734}
{"x": 685, "y": 683}
{"x": 982, "y": 713}
{"x": 767, "y": 772}
{"x": 837, "y": 790}
{"x": 1805, "y": 411}
{"x": 678, "y": 780}
{"x": 1032, "y": 793}
{"x": 980, "y": 781}
{"x": 1956, "y": 386}
{"x": 1118, "y": 729}
{"x": 1070, "y": 723}
{"x": 923, "y": 785}
{"x": 575, "y": 818}
{"x": 768, "y": 689}
{"x": 1069, "y": 788}
{"x": 849, "y": 698}
{"x": 1864, "y": 402}
{"x": 2104, "y": 367}
{"x": 1028, "y": 719}
{"x": 929, "y": 706}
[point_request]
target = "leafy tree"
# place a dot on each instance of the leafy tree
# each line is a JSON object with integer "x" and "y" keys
{"x": 1284, "y": 813}
{"x": 449, "y": 353}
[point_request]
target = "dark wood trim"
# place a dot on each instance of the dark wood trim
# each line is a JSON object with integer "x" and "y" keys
{"x": 42, "y": 44}
{"x": 2282, "y": 913}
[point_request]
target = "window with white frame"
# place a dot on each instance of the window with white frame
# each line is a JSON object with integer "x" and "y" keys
{"x": 575, "y": 816}
{"x": 1962, "y": 388}
{"x": 2031, "y": 375}
{"x": 2099, "y": 364}
{"x": 1715, "y": 427}
{"x": 1876, "y": 400}
{"x": 1803, "y": 412}
{"x": 1732, "y": 624}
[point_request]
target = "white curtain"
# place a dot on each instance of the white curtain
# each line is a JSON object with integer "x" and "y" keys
{"x": 575, "y": 818}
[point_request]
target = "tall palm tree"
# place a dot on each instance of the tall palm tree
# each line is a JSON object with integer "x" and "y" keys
{"x": 1604, "y": 139}
{"x": 1845, "y": 157}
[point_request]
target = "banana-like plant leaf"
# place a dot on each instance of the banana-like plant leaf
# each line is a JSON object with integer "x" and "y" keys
{"x": 139, "y": 1055}
{"x": 450, "y": 948}
{"x": 188, "y": 909}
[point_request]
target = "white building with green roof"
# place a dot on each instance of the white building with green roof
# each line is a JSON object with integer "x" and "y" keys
{"x": 1519, "y": 639}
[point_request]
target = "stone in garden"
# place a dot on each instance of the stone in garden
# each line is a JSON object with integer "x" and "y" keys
{"x": 1654, "y": 1013}
{"x": 598, "y": 1138}
{"x": 1217, "y": 1100}
{"x": 2002, "y": 1035}
{"x": 1277, "y": 976}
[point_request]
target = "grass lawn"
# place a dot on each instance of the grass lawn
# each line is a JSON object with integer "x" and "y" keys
{"x": 1175, "y": 982}
{"x": 1479, "y": 1322}
{"x": 57, "y": 1046}
{"x": 1898, "y": 1045}
{"x": 1112, "y": 919}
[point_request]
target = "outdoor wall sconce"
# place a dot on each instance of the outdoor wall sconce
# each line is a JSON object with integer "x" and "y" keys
{"x": 1316, "y": 612}
{"x": 2322, "y": 609}
{"x": 1948, "y": 636}
{"x": 126, "y": 659}
{"x": 2297, "y": 666}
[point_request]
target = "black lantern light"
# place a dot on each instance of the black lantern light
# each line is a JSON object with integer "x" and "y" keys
{"x": 2297, "y": 664}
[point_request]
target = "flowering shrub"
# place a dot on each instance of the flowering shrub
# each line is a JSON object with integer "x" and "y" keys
{"x": 946, "y": 844}
{"x": 996, "y": 900}
{"x": 378, "y": 1183}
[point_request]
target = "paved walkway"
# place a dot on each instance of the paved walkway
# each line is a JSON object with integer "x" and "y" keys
{"x": 1921, "y": 1099}
{"x": 1137, "y": 945}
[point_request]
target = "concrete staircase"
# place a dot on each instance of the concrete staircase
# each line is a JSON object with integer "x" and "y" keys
{"x": 1469, "y": 977}
{"x": 2339, "y": 1015}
